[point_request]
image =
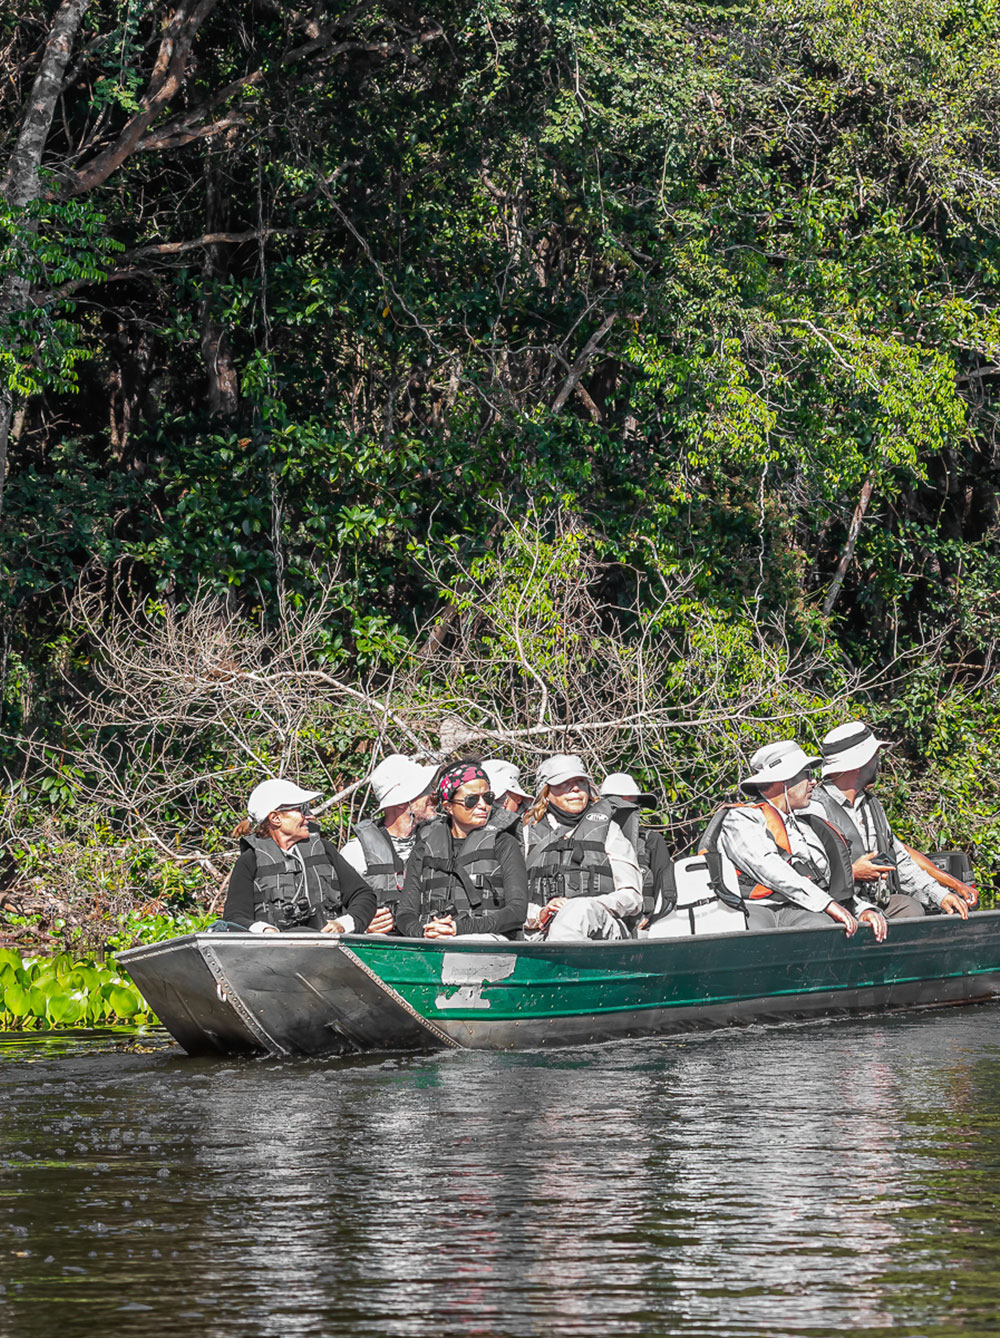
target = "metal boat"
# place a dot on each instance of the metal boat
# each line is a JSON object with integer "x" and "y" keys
{"x": 312, "y": 994}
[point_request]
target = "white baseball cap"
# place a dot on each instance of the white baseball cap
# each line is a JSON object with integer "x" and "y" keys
{"x": 397, "y": 780}
{"x": 620, "y": 785}
{"x": 504, "y": 777}
{"x": 849, "y": 746}
{"x": 272, "y": 794}
{"x": 562, "y": 767}
{"x": 781, "y": 761}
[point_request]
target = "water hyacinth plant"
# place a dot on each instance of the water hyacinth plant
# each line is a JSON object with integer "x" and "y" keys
{"x": 40, "y": 993}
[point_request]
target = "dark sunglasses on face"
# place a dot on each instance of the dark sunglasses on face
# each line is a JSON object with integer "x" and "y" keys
{"x": 474, "y": 800}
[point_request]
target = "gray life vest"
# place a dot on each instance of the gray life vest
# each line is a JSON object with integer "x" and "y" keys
{"x": 385, "y": 868}
{"x": 289, "y": 892}
{"x": 463, "y": 877}
{"x": 878, "y": 893}
{"x": 572, "y": 861}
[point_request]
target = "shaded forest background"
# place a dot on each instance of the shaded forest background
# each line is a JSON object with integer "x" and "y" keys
{"x": 618, "y": 376}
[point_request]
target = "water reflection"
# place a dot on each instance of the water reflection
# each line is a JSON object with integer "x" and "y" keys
{"x": 824, "y": 1179}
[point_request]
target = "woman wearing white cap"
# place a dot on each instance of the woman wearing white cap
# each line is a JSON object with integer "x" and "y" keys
{"x": 584, "y": 880}
{"x": 383, "y": 844}
{"x": 793, "y": 869}
{"x": 888, "y": 872}
{"x": 289, "y": 877}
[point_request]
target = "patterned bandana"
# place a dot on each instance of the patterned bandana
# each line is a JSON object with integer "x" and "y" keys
{"x": 455, "y": 777}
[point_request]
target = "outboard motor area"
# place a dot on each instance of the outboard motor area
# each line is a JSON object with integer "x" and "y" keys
{"x": 700, "y": 909}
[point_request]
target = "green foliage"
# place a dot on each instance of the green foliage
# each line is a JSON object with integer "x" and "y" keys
{"x": 39, "y": 993}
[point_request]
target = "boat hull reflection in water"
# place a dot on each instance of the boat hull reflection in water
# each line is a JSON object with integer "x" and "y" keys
{"x": 310, "y": 994}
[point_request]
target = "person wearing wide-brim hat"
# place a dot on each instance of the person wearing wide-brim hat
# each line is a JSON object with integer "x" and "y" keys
{"x": 792, "y": 872}
{"x": 505, "y": 781}
{"x": 288, "y": 877}
{"x": 659, "y": 889}
{"x": 382, "y": 845}
{"x": 584, "y": 880}
{"x": 900, "y": 880}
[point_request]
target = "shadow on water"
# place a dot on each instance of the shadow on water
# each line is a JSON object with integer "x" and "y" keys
{"x": 827, "y": 1179}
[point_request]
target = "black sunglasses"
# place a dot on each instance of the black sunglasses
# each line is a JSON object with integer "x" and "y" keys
{"x": 474, "y": 800}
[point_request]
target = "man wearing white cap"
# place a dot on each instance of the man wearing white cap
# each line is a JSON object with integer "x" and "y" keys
{"x": 505, "y": 782}
{"x": 382, "y": 845}
{"x": 584, "y": 880}
{"x": 792, "y": 872}
{"x": 886, "y": 871}
{"x": 659, "y": 890}
{"x": 288, "y": 876}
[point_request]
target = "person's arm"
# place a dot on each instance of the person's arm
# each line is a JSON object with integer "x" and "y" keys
{"x": 510, "y": 917}
{"x": 626, "y": 899}
{"x": 239, "y": 895}
{"x": 914, "y": 881}
{"x": 752, "y": 849}
{"x": 356, "y": 897}
{"x": 408, "y": 911}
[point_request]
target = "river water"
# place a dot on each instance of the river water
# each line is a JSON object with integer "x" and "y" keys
{"x": 830, "y": 1178}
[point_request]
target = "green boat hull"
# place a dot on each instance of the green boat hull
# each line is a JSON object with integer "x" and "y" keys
{"x": 310, "y": 994}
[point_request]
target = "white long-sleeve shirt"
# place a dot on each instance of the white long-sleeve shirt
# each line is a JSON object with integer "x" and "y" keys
{"x": 745, "y": 839}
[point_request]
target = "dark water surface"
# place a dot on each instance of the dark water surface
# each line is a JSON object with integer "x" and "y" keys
{"x": 839, "y": 1178}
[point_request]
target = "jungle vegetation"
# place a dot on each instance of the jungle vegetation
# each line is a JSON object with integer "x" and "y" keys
{"x": 615, "y": 374}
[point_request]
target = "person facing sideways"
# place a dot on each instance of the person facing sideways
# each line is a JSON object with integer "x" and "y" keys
{"x": 659, "y": 891}
{"x": 888, "y": 873}
{"x": 288, "y": 876}
{"x": 382, "y": 845}
{"x": 466, "y": 877}
{"x": 793, "y": 868}
{"x": 584, "y": 880}
{"x": 505, "y": 782}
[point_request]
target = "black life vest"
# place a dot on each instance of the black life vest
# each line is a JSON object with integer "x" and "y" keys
{"x": 463, "y": 877}
{"x": 572, "y": 861}
{"x": 834, "y": 845}
{"x": 296, "y": 889}
{"x": 878, "y": 893}
{"x": 384, "y": 866}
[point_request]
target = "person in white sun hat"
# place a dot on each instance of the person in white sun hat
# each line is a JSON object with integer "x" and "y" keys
{"x": 382, "y": 844}
{"x": 584, "y": 880}
{"x": 901, "y": 881}
{"x": 792, "y": 871}
{"x": 288, "y": 876}
{"x": 659, "y": 891}
{"x": 505, "y": 782}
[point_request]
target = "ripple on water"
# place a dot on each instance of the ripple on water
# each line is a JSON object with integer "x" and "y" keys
{"x": 813, "y": 1180}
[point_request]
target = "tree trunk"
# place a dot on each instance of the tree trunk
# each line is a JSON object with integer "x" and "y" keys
{"x": 216, "y": 350}
{"x": 20, "y": 184}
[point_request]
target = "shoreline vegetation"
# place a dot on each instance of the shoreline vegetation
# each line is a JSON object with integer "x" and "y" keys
{"x": 508, "y": 378}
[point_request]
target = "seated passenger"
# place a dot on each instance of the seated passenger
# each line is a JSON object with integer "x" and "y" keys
{"x": 382, "y": 845}
{"x": 904, "y": 882}
{"x": 289, "y": 877}
{"x": 584, "y": 880}
{"x": 505, "y": 782}
{"x": 793, "y": 869}
{"x": 466, "y": 876}
{"x": 659, "y": 892}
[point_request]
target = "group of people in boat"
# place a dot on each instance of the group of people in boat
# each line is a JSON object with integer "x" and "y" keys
{"x": 465, "y": 850}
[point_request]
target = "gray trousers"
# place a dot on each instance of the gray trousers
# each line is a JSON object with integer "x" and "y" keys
{"x": 902, "y": 907}
{"x": 764, "y": 915}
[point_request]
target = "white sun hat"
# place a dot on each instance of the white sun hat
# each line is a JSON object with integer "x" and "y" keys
{"x": 562, "y": 767}
{"x": 397, "y": 780}
{"x": 781, "y": 761}
{"x": 620, "y": 785}
{"x": 849, "y": 746}
{"x": 272, "y": 794}
{"x": 504, "y": 778}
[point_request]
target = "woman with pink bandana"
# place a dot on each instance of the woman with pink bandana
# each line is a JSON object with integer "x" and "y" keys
{"x": 466, "y": 876}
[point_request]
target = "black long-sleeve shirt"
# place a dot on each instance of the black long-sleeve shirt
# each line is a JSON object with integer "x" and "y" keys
{"x": 357, "y": 898}
{"x": 508, "y": 919}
